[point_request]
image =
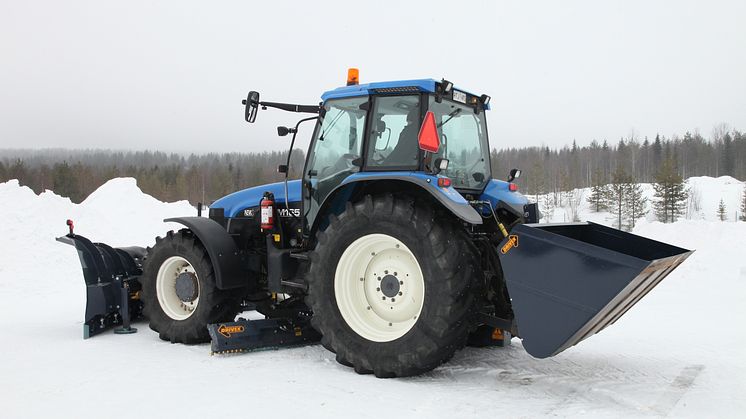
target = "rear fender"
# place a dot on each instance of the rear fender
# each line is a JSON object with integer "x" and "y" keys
{"x": 230, "y": 269}
{"x": 448, "y": 197}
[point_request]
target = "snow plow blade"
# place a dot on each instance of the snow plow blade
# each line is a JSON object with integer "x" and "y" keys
{"x": 569, "y": 281}
{"x": 112, "y": 288}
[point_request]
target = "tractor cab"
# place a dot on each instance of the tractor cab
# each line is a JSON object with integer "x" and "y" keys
{"x": 383, "y": 129}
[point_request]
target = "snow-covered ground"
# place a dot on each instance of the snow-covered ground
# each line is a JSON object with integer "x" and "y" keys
{"x": 704, "y": 195}
{"x": 679, "y": 352}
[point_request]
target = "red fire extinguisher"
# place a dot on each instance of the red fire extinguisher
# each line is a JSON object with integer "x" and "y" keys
{"x": 267, "y": 208}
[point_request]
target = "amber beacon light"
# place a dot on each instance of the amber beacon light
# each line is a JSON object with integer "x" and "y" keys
{"x": 353, "y": 76}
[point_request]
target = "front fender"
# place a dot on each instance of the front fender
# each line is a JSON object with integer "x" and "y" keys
{"x": 230, "y": 271}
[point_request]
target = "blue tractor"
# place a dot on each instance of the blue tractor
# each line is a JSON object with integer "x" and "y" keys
{"x": 395, "y": 248}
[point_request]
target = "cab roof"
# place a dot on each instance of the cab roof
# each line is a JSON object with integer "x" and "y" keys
{"x": 398, "y": 86}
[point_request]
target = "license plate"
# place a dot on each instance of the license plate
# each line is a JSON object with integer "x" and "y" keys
{"x": 459, "y": 96}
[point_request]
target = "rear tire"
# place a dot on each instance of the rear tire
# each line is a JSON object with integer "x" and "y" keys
{"x": 182, "y": 316}
{"x": 437, "y": 276}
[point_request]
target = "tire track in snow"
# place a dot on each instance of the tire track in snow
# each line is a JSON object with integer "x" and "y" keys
{"x": 676, "y": 390}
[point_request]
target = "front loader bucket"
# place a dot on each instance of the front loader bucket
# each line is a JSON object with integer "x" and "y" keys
{"x": 111, "y": 283}
{"x": 569, "y": 281}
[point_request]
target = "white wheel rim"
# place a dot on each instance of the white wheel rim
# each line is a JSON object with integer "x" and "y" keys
{"x": 165, "y": 284}
{"x": 372, "y": 312}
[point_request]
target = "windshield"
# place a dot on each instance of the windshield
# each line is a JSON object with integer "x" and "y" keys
{"x": 463, "y": 141}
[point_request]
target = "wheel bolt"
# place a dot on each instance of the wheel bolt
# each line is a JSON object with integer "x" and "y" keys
{"x": 400, "y": 293}
{"x": 383, "y": 298}
{"x": 379, "y": 278}
{"x": 378, "y": 289}
{"x": 368, "y": 307}
{"x": 386, "y": 272}
{"x": 390, "y": 324}
{"x": 393, "y": 299}
{"x": 401, "y": 282}
{"x": 362, "y": 279}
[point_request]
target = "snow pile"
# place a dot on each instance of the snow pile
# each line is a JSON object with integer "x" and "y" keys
{"x": 118, "y": 213}
{"x": 678, "y": 353}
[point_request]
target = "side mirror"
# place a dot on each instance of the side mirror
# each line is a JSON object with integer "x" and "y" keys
{"x": 514, "y": 174}
{"x": 252, "y": 105}
{"x": 283, "y": 131}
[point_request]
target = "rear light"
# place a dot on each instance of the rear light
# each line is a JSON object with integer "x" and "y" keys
{"x": 444, "y": 182}
{"x": 512, "y": 187}
{"x": 428, "y": 137}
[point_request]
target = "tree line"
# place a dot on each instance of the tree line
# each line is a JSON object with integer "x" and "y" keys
{"x": 612, "y": 171}
{"x": 165, "y": 176}
{"x": 548, "y": 170}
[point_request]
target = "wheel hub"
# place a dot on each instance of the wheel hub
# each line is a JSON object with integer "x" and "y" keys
{"x": 379, "y": 287}
{"x": 177, "y": 287}
{"x": 390, "y": 286}
{"x": 186, "y": 287}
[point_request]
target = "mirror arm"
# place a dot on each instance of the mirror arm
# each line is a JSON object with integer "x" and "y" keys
{"x": 291, "y": 107}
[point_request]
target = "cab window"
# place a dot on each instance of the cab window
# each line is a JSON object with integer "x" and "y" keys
{"x": 395, "y": 125}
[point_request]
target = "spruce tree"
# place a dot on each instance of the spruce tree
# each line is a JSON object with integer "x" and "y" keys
{"x": 670, "y": 192}
{"x": 599, "y": 192}
{"x": 636, "y": 203}
{"x": 743, "y": 205}
{"x": 618, "y": 190}
{"x": 722, "y": 211}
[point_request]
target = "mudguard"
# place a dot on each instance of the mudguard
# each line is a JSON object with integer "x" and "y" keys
{"x": 447, "y": 196}
{"x": 230, "y": 270}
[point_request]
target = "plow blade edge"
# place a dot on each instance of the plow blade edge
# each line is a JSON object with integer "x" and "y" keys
{"x": 112, "y": 288}
{"x": 569, "y": 281}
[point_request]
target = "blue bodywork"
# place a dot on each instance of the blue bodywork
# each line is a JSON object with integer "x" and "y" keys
{"x": 232, "y": 204}
{"x": 448, "y": 192}
{"x": 497, "y": 190}
{"x": 237, "y": 201}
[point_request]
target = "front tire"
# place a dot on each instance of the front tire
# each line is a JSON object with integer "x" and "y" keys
{"x": 180, "y": 297}
{"x": 392, "y": 284}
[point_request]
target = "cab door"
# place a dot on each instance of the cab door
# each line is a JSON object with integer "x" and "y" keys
{"x": 335, "y": 152}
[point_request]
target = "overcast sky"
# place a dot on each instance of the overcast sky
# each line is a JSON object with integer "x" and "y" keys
{"x": 170, "y": 75}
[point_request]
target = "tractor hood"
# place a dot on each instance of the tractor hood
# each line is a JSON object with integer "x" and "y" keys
{"x": 251, "y": 197}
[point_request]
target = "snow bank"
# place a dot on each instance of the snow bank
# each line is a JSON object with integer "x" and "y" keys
{"x": 118, "y": 213}
{"x": 678, "y": 353}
